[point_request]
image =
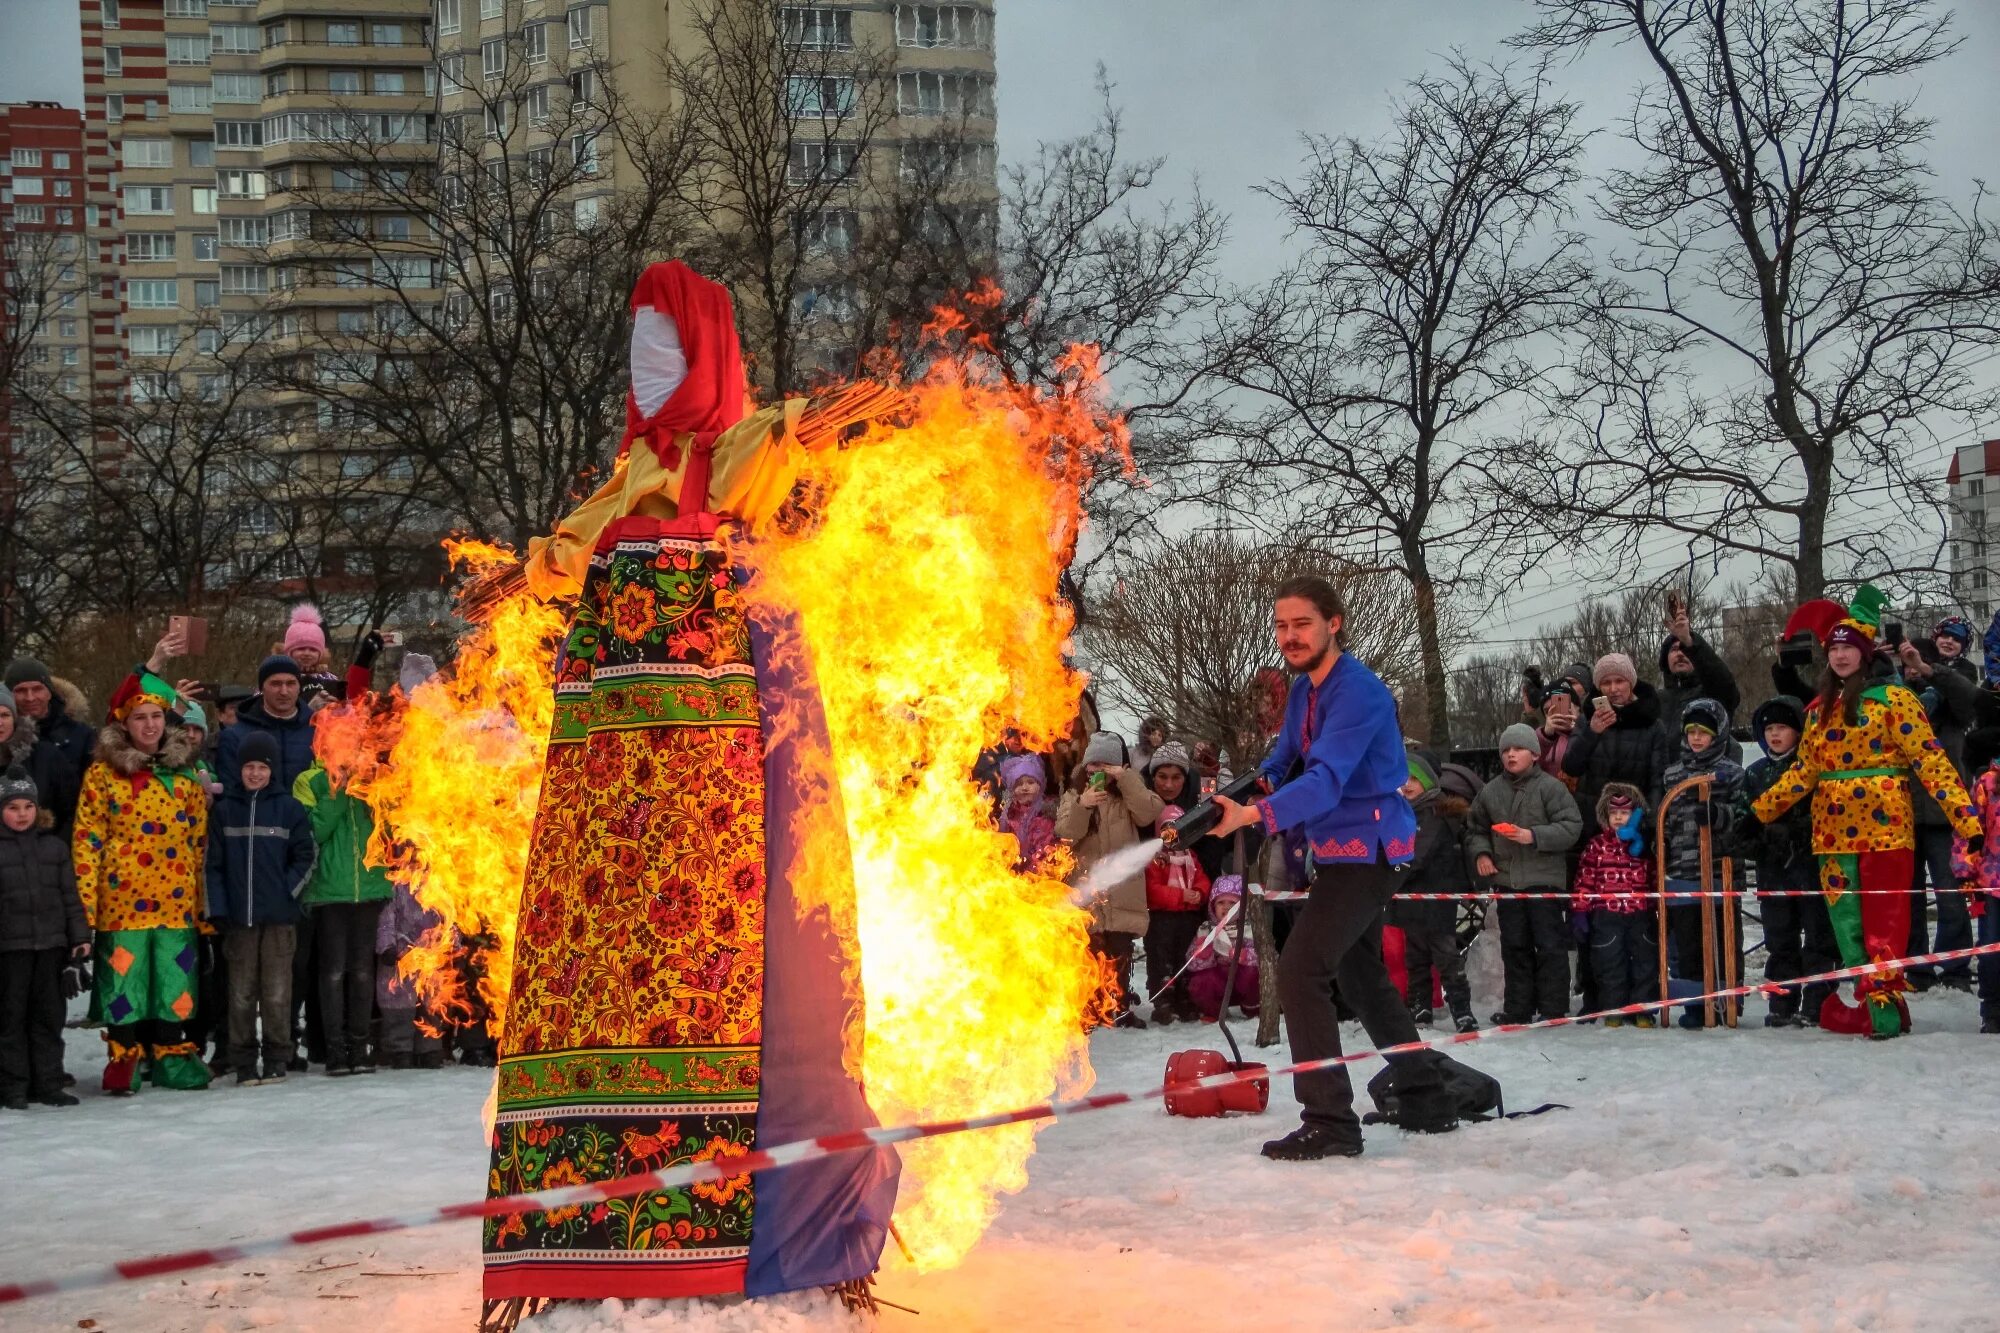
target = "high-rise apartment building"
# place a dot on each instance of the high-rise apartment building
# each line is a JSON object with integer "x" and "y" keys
{"x": 1974, "y": 524}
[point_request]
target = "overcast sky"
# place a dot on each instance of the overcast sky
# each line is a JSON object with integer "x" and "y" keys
{"x": 1224, "y": 88}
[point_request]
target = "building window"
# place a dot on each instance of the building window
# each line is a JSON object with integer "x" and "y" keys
{"x": 238, "y": 88}
{"x": 810, "y": 163}
{"x": 114, "y": 61}
{"x": 201, "y": 152}
{"x": 151, "y": 339}
{"x": 389, "y": 81}
{"x": 239, "y": 133}
{"x": 584, "y": 152}
{"x": 453, "y": 70}
{"x": 189, "y": 50}
{"x": 152, "y": 294}
{"x": 820, "y": 95}
{"x": 923, "y": 93}
{"x": 966, "y": 27}
{"x": 490, "y": 9}
{"x": 63, "y": 189}
{"x": 30, "y": 213}
{"x": 274, "y": 35}
{"x": 144, "y": 153}
{"x": 246, "y": 231}
{"x": 204, "y": 245}
{"x": 239, "y": 39}
{"x": 149, "y": 247}
{"x": 27, "y": 157}
{"x": 583, "y": 87}
{"x": 447, "y": 16}
{"x": 344, "y": 82}
{"x": 114, "y": 107}
{"x": 241, "y": 184}
{"x": 27, "y": 185}
{"x": 828, "y": 231}
{"x": 493, "y": 57}
{"x": 245, "y": 280}
{"x": 496, "y": 120}
{"x": 392, "y": 228}
{"x": 187, "y": 9}
{"x": 941, "y": 162}
{"x": 149, "y": 199}
{"x": 535, "y": 43}
{"x": 349, "y": 178}
{"x": 343, "y": 34}
{"x": 579, "y": 27}
{"x": 385, "y": 34}
{"x": 535, "y": 104}
{"x": 201, "y": 200}
{"x": 66, "y": 328}
{"x": 207, "y": 294}
{"x": 819, "y": 28}
{"x": 107, "y": 13}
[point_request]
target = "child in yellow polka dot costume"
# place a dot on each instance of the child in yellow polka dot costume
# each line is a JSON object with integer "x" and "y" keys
{"x": 1864, "y": 742}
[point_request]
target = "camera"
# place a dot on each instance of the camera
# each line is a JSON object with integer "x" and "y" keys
{"x": 1796, "y": 651}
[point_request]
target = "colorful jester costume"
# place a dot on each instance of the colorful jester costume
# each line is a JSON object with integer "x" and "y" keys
{"x": 668, "y": 1004}
{"x": 1858, "y": 771}
{"x": 141, "y": 830}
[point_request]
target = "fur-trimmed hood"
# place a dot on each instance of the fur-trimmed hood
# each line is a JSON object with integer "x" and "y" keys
{"x": 75, "y": 703}
{"x": 114, "y": 747}
{"x": 17, "y": 747}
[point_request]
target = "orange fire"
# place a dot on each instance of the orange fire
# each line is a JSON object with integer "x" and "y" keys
{"x": 923, "y": 592}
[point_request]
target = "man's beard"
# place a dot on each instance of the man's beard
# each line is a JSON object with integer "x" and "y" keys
{"x": 1318, "y": 660}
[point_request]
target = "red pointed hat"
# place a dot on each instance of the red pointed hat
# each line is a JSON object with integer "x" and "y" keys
{"x": 710, "y": 399}
{"x": 1816, "y": 618}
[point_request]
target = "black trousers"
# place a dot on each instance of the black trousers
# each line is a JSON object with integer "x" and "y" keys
{"x": 1624, "y": 957}
{"x": 1431, "y": 944}
{"x": 1534, "y": 951}
{"x": 1338, "y": 938}
{"x": 1798, "y": 942}
{"x": 31, "y": 1022}
{"x": 1116, "y": 947}
{"x": 345, "y": 936}
{"x": 1169, "y": 936}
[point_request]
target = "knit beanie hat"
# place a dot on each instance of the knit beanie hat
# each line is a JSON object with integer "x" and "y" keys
{"x": 277, "y": 664}
{"x": 1170, "y": 754}
{"x": 1613, "y": 664}
{"x": 1106, "y": 747}
{"x": 16, "y": 785}
{"x": 1421, "y": 771}
{"x": 7, "y": 701}
{"x": 1957, "y": 627}
{"x": 28, "y": 668}
{"x": 192, "y": 714}
{"x": 259, "y": 747}
{"x": 1019, "y": 766}
{"x": 1521, "y": 736}
{"x": 305, "y": 629}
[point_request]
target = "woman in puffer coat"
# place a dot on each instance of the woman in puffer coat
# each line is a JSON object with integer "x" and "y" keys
{"x": 1101, "y": 814}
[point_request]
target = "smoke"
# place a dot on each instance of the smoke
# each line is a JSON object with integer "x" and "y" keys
{"x": 1112, "y": 869}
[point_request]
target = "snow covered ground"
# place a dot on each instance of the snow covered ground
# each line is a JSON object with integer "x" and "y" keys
{"x": 1740, "y": 1180}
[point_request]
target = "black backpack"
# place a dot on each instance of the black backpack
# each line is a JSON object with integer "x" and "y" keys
{"x": 1467, "y": 1094}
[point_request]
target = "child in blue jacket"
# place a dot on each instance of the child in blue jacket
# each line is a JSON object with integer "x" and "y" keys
{"x": 260, "y": 855}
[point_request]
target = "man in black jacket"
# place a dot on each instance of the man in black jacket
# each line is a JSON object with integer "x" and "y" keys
{"x": 74, "y": 740}
{"x": 1622, "y": 739}
{"x": 1947, "y": 682}
{"x": 1690, "y": 670}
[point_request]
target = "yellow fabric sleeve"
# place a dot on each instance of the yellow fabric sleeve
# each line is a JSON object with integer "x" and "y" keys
{"x": 92, "y": 819}
{"x": 752, "y": 470}
{"x": 1910, "y": 730}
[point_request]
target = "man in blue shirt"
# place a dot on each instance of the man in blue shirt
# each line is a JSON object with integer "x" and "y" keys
{"x": 1336, "y": 777}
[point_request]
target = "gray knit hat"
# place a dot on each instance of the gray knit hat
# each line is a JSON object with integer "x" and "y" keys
{"x": 1106, "y": 747}
{"x": 1521, "y": 736}
{"x": 7, "y": 701}
{"x": 1170, "y": 754}
{"x": 16, "y": 785}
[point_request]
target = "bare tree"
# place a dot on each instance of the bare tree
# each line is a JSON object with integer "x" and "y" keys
{"x": 1783, "y": 224}
{"x": 1185, "y": 626}
{"x": 497, "y": 266}
{"x": 1438, "y": 268}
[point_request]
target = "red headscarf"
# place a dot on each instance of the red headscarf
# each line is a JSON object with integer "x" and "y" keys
{"x": 710, "y": 400}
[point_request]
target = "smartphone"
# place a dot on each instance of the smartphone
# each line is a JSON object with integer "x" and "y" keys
{"x": 1099, "y": 781}
{"x": 1893, "y": 631}
{"x": 391, "y": 638}
{"x": 193, "y": 631}
{"x": 1599, "y": 702}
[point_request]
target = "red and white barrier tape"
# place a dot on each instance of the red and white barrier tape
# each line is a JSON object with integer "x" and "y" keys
{"x": 1505, "y": 895}
{"x": 805, "y": 1150}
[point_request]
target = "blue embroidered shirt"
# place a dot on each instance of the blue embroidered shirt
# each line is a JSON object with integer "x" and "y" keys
{"x": 1349, "y": 800}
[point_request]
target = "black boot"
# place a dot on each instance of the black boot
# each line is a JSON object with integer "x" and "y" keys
{"x": 1310, "y": 1143}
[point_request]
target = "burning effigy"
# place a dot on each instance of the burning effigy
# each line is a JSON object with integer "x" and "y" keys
{"x": 697, "y": 792}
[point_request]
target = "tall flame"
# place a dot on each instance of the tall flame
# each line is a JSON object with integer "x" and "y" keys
{"x": 922, "y": 594}
{"x": 925, "y": 589}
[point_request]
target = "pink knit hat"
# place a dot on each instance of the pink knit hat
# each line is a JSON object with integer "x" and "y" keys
{"x": 1613, "y": 664}
{"x": 305, "y": 629}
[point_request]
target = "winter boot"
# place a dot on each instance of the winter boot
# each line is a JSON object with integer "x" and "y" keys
{"x": 56, "y": 1098}
{"x": 1163, "y": 1010}
{"x": 121, "y": 1070}
{"x": 1990, "y": 1026}
{"x": 1465, "y": 1022}
{"x": 1310, "y": 1143}
{"x": 1421, "y": 1015}
{"x": 179, "y": 1065}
